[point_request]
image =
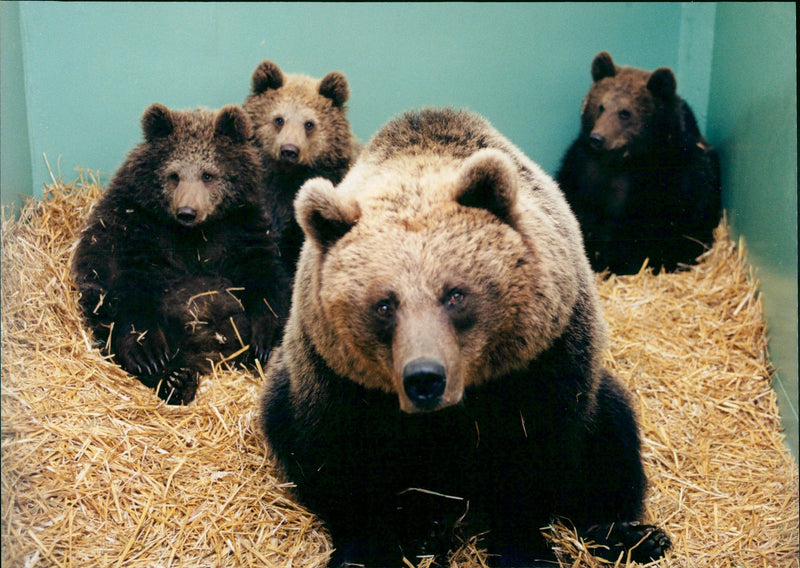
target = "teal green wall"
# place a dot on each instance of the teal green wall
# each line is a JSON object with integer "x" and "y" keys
{"x": 15, "y": 169}
{"x": 76, "y": 77}
{"x": 92, "y": 68}
{"x": 752, "y": 120}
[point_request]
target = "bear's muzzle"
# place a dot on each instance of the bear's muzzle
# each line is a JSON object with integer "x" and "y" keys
{"x": 424, "y": 381}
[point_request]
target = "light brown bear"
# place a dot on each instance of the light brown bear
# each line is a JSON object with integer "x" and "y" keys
{"x": 442, "y": 355}
{"x": 301, "y": 131}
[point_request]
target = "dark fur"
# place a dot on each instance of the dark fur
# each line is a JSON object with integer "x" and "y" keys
{"x": 657, "y": 194}
{"x": 327, "y": 98}
{"x": 515, "y": 461}
{"x": 137, "y": 267}
{"x": 552, "y": 436}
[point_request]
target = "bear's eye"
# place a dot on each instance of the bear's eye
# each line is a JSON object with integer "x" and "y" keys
{"x": 460, "y": 310}
{"x": 278, "y": 121}
{"x": 174, "y": 178}
{"x": 624, "y": 114}
{"x": 600, "y": 109}
{"x": 385, "y": 309}
{"x": 453, "y": 298}
{"x": 309, "y": 126}
{"x": 207, "y": 176}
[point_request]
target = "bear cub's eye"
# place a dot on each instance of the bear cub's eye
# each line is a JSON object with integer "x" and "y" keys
{"x": 173, "y": 178}
{"x": 624, "y": 114}
{"x": 454, "y": 297}
{"x": 309, "y": 126}
{"x": 278, "y": 121}
{"x": 207, "y": 176}
{"x": 600, "y": 109}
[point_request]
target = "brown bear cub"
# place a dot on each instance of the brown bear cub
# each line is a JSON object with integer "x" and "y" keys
{"x": 301, "y": 131}
{"x": 442, "y": 358}
{"x": 640, "y": 177}
{"x": 175, "y": 266}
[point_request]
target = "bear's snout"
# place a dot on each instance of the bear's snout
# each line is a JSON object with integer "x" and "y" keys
{"x": 424, "y": 381}
{"x": 596, "y": 141}
{"x": 290, "y": 153}
{"x": 191, "y": 202}
{"x": 186, "y": 215}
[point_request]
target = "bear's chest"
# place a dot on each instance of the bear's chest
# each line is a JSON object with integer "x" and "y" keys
{"x": 200, "y": 252}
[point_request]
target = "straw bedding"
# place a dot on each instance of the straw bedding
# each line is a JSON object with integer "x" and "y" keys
{"x": 97, "y": 471}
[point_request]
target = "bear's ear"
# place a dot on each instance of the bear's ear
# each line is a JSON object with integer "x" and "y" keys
{"x": 334, "y": 86}
{"x": 324, "y": 214}
{"x": 488, "y": 180}
{"x": 662, "y": 83}
{"x": 232, "y": 123}
{"x": 603, "y": 66}
{"x": 266, "y": 76}
{"x": 157, "y": 122}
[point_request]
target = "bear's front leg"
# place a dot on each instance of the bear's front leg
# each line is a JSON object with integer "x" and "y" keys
{"x": 362, "y": 526}
{"x": 641, "y": 543}
{"x": 264, "y": 334}
{"x": 143, "y": 351}
{"x": 140, "y": 347}
{"x": 517, "y": 541}
{"x": 370, "y": 551}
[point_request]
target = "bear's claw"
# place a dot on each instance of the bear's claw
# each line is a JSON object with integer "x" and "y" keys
{"x": 178, "y": 386}
{"x": 143, "y": 353}
{"x": 643, "y": 543}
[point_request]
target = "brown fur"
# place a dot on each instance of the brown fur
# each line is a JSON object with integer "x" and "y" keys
{"x": 620, "y": 90}
{"x": 640, "y": 177}
{"x": 192, "y": 177}
{"x": 301, "y": 131}
{"x": 175, "y": 267}
{"x": 444, "y": 339}
{"x": 413, "y": 198}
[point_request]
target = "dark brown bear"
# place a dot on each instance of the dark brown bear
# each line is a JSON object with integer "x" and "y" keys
{"x": 640, "y": 177}
{"x": 175, "y": 266}
{"x": 301, "y": 131}
{"x": 442, "y": 358}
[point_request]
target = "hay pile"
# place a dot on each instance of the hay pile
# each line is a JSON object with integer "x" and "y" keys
{"x": 97, "y": 471}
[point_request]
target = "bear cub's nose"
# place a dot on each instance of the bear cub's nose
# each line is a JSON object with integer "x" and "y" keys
{"x": 290, "y": 153}
{"x": 424, "y": 381}
{"x": 186, "y": 215}
{"x": 596, "y": 141}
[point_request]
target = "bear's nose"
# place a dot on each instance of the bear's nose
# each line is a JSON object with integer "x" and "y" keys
{"x": 424, "y": 381}
{"x": 596, "y": 141}
{"x": 290, "y": 152}
{"x": 186, "y": 215}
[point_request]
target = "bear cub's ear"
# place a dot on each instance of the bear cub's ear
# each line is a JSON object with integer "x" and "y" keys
{"x": 232, "y": 123}
{"x": 324, "y": 214}
{"x": 334, "y": 86}
{"x": 157, "y": 122}
{"x": 662, "y": 83}
{"x": 489, "y": 180}
{"x": 603, "y": 66}
{"x": 267, "y": 76}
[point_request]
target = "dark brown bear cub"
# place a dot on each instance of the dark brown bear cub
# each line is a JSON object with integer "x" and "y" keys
{"x": 442, "y": 357}
{"x": 640, "y": 177}
{"x": 175, "y": 266}
{"x": 301, "y": 131}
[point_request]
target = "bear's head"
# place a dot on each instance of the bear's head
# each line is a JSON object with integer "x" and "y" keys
{"x": 200, "y": 162}
{"x": 298, "y": 120}
{"x": 423, "y": 292}
{"x": 626, "y": 109}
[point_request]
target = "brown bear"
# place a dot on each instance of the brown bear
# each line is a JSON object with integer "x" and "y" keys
{"x": 441, "y": 361}
{"x": 301, "y": 131}
{"x": 640, "y": 177}
{"x": 175, "y": 266}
